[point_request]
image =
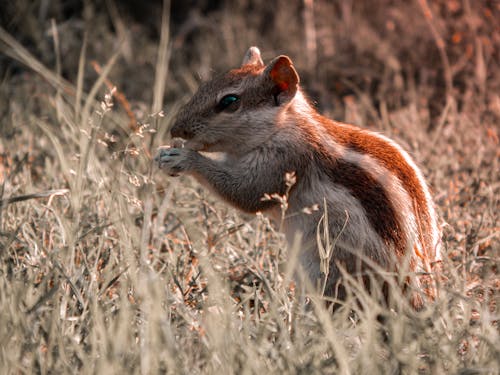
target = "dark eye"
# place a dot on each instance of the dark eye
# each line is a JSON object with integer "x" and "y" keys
{"x": 228, "y": 103}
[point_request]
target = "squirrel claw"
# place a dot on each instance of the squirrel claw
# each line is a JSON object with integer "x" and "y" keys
{"x": 172, "y": 160}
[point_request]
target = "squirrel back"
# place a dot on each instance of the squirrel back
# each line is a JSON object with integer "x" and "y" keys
{"x": 378, "y": 204}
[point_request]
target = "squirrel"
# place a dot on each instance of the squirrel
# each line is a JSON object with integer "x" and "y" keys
{"x": 257, "y": 117}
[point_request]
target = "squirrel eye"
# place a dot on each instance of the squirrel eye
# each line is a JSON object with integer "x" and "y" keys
{"x": 228, "y": 103}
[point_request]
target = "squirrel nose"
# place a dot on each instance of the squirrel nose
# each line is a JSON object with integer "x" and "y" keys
{"x": 179, "y": 131}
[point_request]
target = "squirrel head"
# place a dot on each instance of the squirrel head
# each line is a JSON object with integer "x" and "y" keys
{"x": 238, "y": 110}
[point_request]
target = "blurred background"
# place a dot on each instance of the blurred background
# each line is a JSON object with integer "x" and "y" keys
{"x": 392, "y": 52}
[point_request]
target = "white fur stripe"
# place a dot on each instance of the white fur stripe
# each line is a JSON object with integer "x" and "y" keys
{"x": 400, "y": 198}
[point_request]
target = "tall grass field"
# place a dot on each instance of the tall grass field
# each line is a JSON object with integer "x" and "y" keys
{"x": 108, "y": 266}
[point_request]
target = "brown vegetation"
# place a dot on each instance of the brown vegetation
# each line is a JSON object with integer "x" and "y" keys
{"x": 106, "y": 265}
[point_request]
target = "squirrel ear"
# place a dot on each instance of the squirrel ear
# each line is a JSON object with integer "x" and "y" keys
{"x": 284, "y": 78}
{"x": 252, "y": 57}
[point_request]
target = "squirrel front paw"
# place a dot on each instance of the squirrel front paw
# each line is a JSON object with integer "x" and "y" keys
{"x": 174, "y": 160}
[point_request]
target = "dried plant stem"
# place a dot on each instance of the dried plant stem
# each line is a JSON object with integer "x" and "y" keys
{"x": 441, "y": 46}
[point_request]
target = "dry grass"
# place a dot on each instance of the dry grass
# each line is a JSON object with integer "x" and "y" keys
{"x": 107, "y": 266}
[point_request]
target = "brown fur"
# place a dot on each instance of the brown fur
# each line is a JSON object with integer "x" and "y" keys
{"x": 270, "y": 130}
{"x": 394, "y": 162}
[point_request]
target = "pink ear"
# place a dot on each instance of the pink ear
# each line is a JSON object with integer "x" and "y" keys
{"x": 284, "y": 76}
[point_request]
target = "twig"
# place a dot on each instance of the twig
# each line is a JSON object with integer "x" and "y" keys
{"x": 440, "y": 44}
{"x": 46, "y": 297}
{"x": 120, "y": 97}
{"x": 44, "y": 194}
{"x": 17, "y": 52}
{"x": 310, "y": 34}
